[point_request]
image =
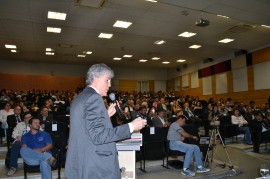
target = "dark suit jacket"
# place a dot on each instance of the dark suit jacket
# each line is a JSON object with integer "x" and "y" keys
{"x": 157, "y": 122}
{"x": 49, "y": 118}
{"x": 12, "y": 122}
{"x": 92, "y": 150}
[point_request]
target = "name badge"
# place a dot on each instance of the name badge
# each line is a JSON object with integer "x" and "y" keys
{"x": 152, "y": 130}
{"x": 54, "y": 127}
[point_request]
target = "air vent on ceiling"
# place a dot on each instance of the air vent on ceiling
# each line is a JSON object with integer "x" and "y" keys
{"x": 65, "y": 45}
{"x": 90, "y": 3}
{"x": 241, "y": 28}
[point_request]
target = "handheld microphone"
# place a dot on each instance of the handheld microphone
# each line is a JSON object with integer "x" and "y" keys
{"x": 118, "y": 111}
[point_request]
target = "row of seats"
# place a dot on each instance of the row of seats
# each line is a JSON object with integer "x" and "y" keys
{"x": 156, "y": 147}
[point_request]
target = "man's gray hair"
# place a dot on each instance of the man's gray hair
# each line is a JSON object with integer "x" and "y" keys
{"x": 98, "y": 70}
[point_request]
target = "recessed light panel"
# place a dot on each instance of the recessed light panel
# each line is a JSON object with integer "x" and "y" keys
{"x": 10, "y": 46}
{"x": 226, "y": 40}
{"x": 88, "y": 52}
{"x": 160, "y": 42}
{"x": 127, "y": 56}
{"x": 49, "y": 53}
{"x": 49, "y": 49}
{"x": 226, "y": 17}
{"x": 155, "y": 58}
{"x": 181, "y": 60}
{"x": 54, "y": 29}
{"x": 117, "y": 58}
{"x": 81, "y": 56}
{"x": 142, "y": 60}
{"x": 195, "y": 46}
{"x": 13, "y": 51}
{"x": 187, "y": 34}
{"x": 122, "y": 24}
{"x": 165, "y": 62}
{"x": 105, "y": 35}
{"x": 151, "y": 0}
{"x": 56, "y": 15}
{"x": 265, "y": 26}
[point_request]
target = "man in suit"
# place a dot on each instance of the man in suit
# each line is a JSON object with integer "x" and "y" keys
{"x": 92, "y": 150}
{"x": 45, "y": 117}
{"x": 159, "y": 120}
{"x": 12, "y": 121}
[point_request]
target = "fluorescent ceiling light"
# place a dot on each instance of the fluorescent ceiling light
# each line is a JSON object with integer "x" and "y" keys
{"x": 56, "y": 15}
{"x": 87, "y": 52}
{"x": 151, "y": 0}
{"x": 105, "y": 36}
{"x": 81, "y": 56}
{"x": 165, "y": 62}
{"x": 122, "y": 24}
{"x": 155, "y": 58}
{"x": 49, "y": 53}
{"x": 265, "y": 26}
{"x": 53, "y": 29}
{"x": 226, "y": 40}
{"x": 160, "y": 42}
{"x": 13, "y": 51}
{"x": 10, "y": 46}
{"x": 49, "y": 49}
{"x": 117, "y": 58}
{"x": 127, "y": 56}
{"x": 223, "y": 16}
{"x": 142, "y": 60}
{"x": 195, "y": 46}
{"x": 180, "y": 60}
{"x": 187, "y": 34}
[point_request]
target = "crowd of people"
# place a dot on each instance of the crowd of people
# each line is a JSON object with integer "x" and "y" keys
{"x": 160, "y": 109}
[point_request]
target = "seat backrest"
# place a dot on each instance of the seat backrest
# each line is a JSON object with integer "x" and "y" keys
{"x": 154, "y": 147}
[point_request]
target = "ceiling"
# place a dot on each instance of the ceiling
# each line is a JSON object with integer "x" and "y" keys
{"x": 24, "y": 22}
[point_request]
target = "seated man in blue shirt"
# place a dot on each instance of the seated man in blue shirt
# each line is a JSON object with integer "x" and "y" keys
{"x": 36, "y": 146}
{"x": 176, "y": 135}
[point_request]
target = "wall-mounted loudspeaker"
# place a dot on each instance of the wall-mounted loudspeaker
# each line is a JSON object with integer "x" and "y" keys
{"x": 240, "y": 52}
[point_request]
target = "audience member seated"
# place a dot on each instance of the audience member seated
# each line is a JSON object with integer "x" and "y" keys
{"x": 249, "y": 115}
{"x": 259, "y": 130}
{"x": 20, "y": 129}
{"x": 45, "y": 116}
{"x": 176, "y": 135}
{"x": 207, "y": 118}
{"x": 242, "y": 124}
{"x": 128, "y": 108}
{"x": 135, "y": 111}
{"x": 3, "y": 119}
{"x": 36, "y": 146}
{"x": 223, "y": 111}
{"x": 163, "y": 105}
{"x": 192, "y": 118}
{"x": 159, "y": 120}
{"x": 12, "y": 121}
{"x": 142, "y": 113}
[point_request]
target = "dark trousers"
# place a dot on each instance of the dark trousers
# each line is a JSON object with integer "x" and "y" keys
{"x": 14, "y": 154}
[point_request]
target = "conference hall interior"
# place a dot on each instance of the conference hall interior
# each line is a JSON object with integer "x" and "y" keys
{"x": 208, "y": 60}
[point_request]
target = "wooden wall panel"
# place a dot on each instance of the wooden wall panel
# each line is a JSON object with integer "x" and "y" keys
{"x": 128, "y": 85}
{"x": 151, "y": 86}
{"x": 250, "y": 75}
{"x": 259, "y": 96}
{"x": 230, "y": 81}
{"x": 260, "y": 56}
{"x": 29, "y": 82}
